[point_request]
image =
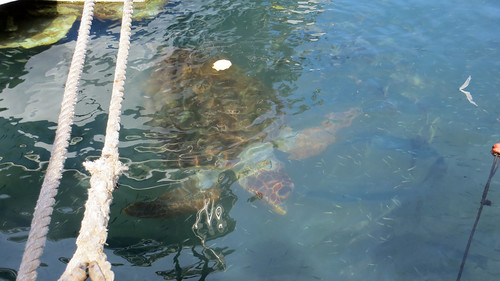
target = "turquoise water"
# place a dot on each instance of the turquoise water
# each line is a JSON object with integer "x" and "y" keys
{"x": 394, "y": 198}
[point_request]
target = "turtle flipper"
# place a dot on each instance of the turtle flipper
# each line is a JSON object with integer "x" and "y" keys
{"x": 313, "y": 141}
{"x": 157, "y": 209}
{"x": 186, "y": 199}
{"x": 172, "y": 203}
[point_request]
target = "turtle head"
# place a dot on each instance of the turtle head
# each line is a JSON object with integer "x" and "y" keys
{"x": 272, "y": 186}
{"x": 278, "y": 194}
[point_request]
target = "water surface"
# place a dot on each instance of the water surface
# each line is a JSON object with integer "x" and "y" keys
{"x": 394, "y": 198}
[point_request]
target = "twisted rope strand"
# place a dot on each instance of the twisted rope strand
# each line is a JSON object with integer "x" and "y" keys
{"x": 104, "y": 175}
{"x": 44, "y": 207}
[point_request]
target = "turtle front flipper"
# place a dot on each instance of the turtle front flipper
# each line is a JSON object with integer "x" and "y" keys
{"x": 180, "y": 201}
{"x": 310, "y": 142}
{"x": 188, "y": 198}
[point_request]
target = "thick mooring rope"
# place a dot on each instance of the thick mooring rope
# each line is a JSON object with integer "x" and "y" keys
{"x": 89, "y": 258}
{"x": 44, "y": 206}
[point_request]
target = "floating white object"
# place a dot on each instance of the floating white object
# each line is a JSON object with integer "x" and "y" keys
{"x": 222, "y": 65}
{"x": 467, "y": 93}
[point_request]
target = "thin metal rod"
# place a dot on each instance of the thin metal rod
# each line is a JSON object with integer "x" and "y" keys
{"x": 484, "y": 201}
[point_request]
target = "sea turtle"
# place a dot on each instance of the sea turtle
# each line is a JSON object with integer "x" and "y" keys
{"x": 224, "y": 120}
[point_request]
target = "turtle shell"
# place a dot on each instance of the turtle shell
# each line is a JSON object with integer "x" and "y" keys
{"x": 210, "y": 116}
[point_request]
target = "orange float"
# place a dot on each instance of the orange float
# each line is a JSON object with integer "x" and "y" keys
{"x": 495, "y": 150}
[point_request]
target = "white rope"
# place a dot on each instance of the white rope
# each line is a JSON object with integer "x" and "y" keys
{"x": 44, "y": 207}
{"x": 89, "y": 255}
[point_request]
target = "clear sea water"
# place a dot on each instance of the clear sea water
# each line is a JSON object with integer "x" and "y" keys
{"x": 394, "y": 198}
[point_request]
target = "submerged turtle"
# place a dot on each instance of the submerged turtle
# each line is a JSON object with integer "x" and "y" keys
{"x": 223, "y": 120}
